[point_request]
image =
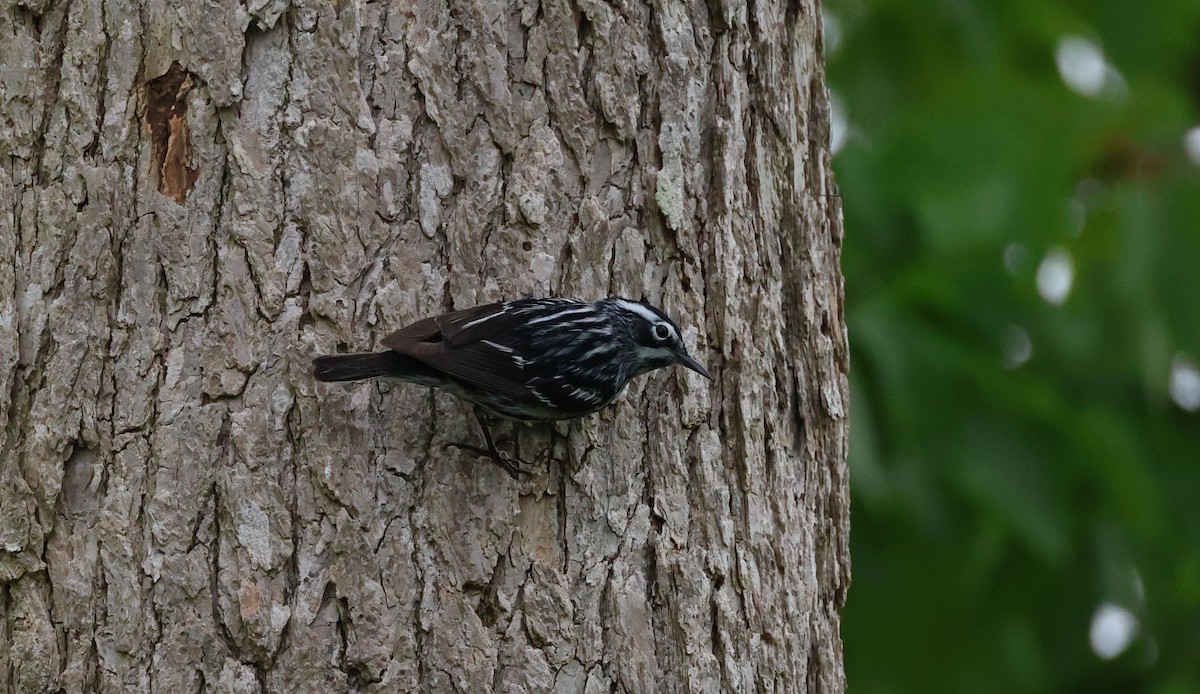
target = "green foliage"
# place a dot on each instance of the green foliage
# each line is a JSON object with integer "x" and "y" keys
{"x": 1000, "y": 500}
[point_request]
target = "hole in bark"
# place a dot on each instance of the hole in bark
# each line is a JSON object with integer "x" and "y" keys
{"x": 718, "y": 644}
{"x": 650, "y": 567}
{"x": 75, "y": 501}
{"x": 657, "y": 522}
{"x": 166, "y": 119}
{"x": 798, "y": 420}
{"x": 790, "y": 14}
{"x": 32, "y": 19}
{"x": 488, "y": 608}
{"x": 585, "y": 29}
{"x": 527, "y": 246}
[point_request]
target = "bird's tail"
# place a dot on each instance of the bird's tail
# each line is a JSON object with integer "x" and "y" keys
{"x": 355, "y": 367}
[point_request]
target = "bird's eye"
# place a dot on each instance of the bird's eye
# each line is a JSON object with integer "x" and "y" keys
{"x": 661, "y": 332}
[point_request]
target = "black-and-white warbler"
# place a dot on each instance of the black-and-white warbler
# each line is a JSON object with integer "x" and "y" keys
{"x": 531, "y": 360}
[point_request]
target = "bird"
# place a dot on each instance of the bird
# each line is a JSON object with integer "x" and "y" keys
{"x": 527, "y": 360}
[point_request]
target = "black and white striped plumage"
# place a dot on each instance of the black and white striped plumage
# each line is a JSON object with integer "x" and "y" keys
{"x": 526, "y": 360}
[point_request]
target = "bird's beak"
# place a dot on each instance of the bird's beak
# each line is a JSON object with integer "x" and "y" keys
{"x": 691, "y": 363}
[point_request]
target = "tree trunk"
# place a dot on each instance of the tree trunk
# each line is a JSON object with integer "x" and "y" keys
{"x": 197, "y": 198}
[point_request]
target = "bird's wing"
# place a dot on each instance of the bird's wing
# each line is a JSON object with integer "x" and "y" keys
{"x": 497, "y": 322}
{"x": 435, "y": 329}
{"x": 483, "y": 366}
{"x": 461, "y": 328}
{"x": 458, "y": 345}
{"x": 466, "y": 327}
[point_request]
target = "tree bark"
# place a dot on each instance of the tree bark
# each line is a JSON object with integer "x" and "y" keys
{"x": 197, "y": 198}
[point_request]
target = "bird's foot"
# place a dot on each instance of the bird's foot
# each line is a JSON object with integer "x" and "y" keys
{"x": 509, "y": 463}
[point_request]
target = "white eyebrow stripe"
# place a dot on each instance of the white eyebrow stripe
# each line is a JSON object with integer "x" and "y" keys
{"x": 560, "y": 314}
{"x": 635, "y": 307}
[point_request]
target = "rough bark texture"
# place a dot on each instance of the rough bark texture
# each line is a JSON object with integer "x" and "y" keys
{"x": 197, "y": 197}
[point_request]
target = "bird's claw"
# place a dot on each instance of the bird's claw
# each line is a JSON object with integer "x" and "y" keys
{"x": 510, "y": 464}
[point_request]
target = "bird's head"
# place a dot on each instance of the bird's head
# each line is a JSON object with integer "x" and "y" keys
{"x": 656, "y": 338}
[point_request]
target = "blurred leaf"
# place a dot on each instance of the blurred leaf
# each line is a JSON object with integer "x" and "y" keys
{"x": 996, "y": 508}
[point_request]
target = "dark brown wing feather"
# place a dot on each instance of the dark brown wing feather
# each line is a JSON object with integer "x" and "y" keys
{"x": 463, "y": 328}
{"x": 457, "y": 328}
{"x": 482, "y": 367}
{"x": 454, "y": 343}
{"x": 423, "y": 330}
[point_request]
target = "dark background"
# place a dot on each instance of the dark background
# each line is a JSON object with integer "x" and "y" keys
{"x": 1022, "y": 265}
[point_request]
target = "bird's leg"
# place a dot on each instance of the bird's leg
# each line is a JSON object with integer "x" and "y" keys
{"x": 491, "y": 452}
